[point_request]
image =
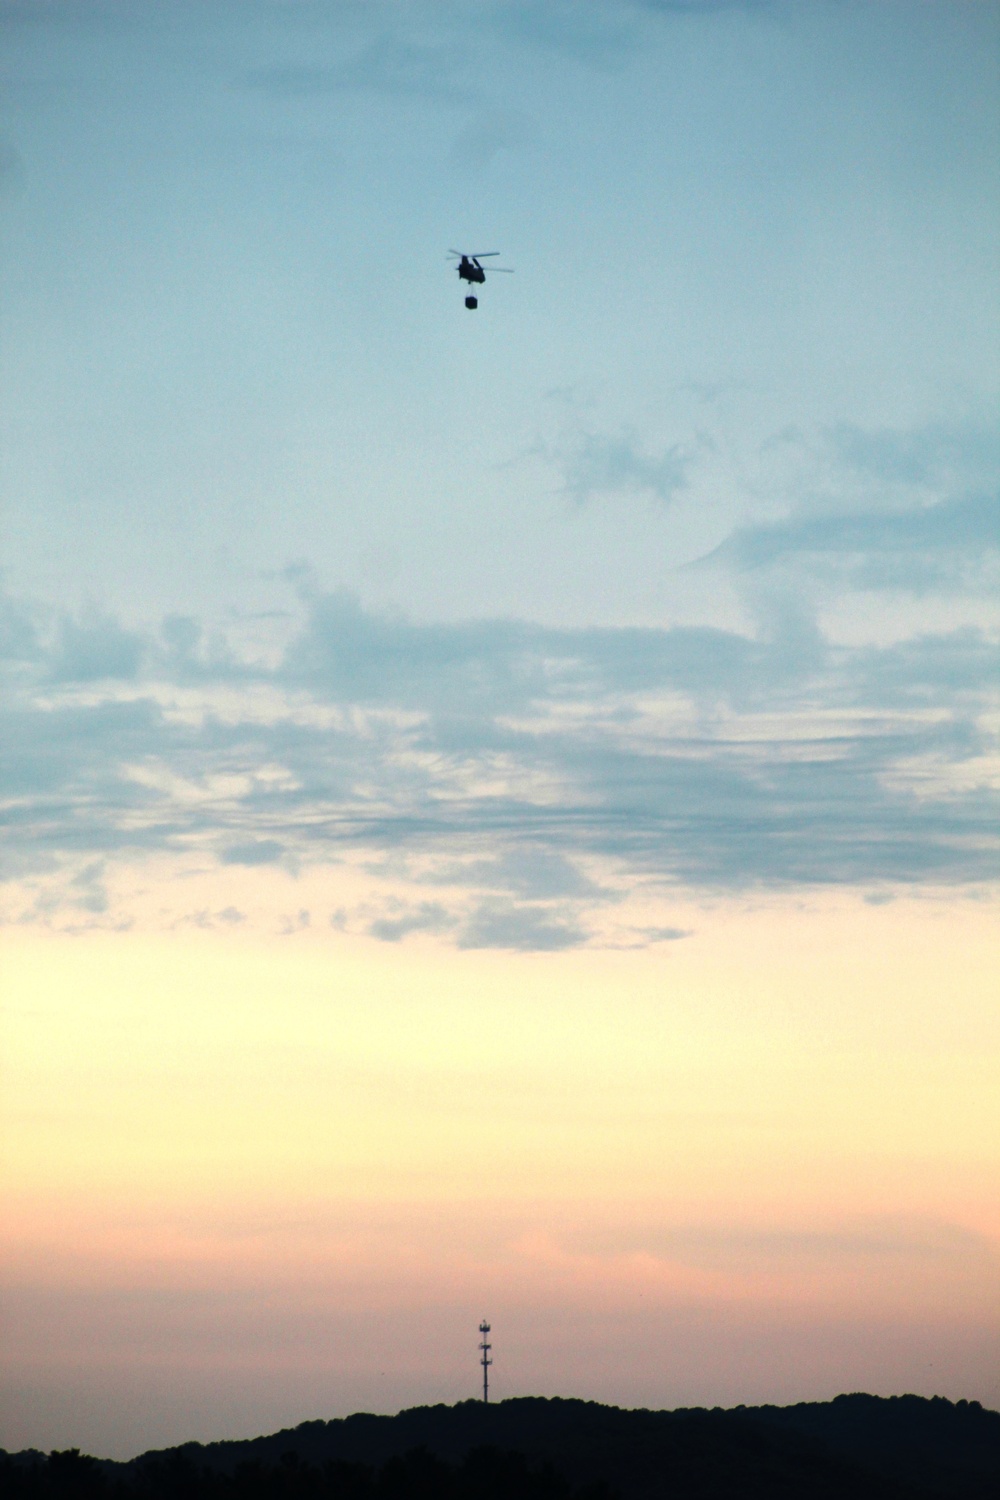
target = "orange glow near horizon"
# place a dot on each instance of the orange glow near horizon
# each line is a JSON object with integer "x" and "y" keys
{"x": 787, "y": 1121}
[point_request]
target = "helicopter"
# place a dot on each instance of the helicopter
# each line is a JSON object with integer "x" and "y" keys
{"x": 471, "y": 271}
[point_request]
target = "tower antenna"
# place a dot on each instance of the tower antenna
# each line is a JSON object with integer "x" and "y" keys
{"x": 485, "y": 1346}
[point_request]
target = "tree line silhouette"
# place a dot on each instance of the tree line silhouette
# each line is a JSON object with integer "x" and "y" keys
{"x": 853, "y": 1448}
{"x": 484, "y": 1474}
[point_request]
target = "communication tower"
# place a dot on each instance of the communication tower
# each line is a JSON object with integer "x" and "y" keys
{"x": 485, "y": 1346}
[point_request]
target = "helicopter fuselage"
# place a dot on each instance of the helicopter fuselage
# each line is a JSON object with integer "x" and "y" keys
{"x": 470, "y": 270}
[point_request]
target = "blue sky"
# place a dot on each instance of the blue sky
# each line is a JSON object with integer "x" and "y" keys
{"x": 691, "y": 530}
{"x": 231, "y": 341}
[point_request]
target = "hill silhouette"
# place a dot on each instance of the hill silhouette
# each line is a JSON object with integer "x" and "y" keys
{"x": 865, "y": 1447}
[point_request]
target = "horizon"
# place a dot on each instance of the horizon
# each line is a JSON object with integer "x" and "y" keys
{"x": 478, "y": 1402}
{"x": 500, "y": 806}
{"x": 565, "y": 1450}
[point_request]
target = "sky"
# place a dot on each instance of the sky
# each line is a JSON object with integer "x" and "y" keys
{"x": 500, "y": 807}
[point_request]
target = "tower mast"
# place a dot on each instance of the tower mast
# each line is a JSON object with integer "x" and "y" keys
{"x": 485, "y": 1346}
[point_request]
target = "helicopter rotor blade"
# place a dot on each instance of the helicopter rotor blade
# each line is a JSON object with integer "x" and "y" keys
{"x": 508, "y": 270}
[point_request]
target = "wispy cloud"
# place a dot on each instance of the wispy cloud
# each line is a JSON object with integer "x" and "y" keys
{"x": 882, "y": 1239}
{"x": 912, "y": 510}
{"x": 954, "y": 545}
{"x": 532, "y": 776}
{"x": 256, "y": 852}
{"x": 507, "y": 924}
{"x": 93, "y": 648}
{"x": 425, "y": 916}
{"x": 595, "y": 464}
{"x": 937, "y": 453}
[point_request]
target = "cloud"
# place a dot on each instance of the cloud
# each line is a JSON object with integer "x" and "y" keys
{"x": 927, "y": 671}
{"x": 538, "y": 775}
{"x": 92, "y": 891}
{"x": 256, "y": 852}
{"x": 229, "y": 916}
{"x": 936, "y": 453}
{"x": 19, "y": 632}
{"x": 94, "y": 647}
{"x": 506, "y": 924}
{"x": 665, "y": 934}
{"x": 954, "y": 544}
{"x": 913, "y": 510}
{"x": 182, "y": 637}
{"x": 882, "y": 1238}
{"x": 428, "y": 916}
{"x": 602, "y": 464}
{"x": 529, "y": 870}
